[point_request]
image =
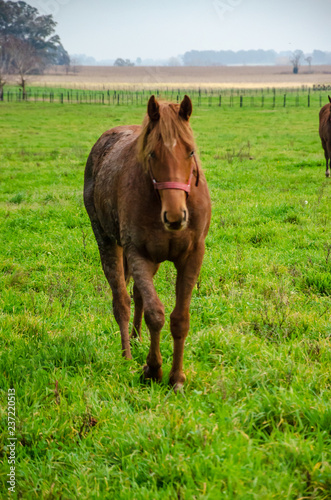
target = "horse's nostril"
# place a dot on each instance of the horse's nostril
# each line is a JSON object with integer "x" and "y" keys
{"x": 165, "y": 218}
{"x": 184, "y": 215}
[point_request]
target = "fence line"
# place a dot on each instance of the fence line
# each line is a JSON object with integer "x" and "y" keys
{"x": 243, "y": 98}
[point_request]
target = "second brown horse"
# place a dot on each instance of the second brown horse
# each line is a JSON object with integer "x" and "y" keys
{"x": 325, "y": 133}
{"x": 148, "y": 202}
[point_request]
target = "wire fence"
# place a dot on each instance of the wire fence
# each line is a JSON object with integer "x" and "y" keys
{"x": 228, "y": 98}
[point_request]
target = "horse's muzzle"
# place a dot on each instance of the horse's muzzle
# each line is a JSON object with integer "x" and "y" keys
{"x": 177, "y": 225}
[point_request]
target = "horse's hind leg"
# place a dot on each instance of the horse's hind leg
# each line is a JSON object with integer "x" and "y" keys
{"x": 138, "y": 303}
{"x": 139, "y": 309}
{"x": 138, "y": 313}
{"x": 112, "y": 262}
{"x": 327, "y": 154}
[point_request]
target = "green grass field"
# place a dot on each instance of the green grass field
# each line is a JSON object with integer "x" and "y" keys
{"x": 254, "y": 421}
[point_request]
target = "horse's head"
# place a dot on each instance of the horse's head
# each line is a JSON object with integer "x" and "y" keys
{"x": 168, "y": 154}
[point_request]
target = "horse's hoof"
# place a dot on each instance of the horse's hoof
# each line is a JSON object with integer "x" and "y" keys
{"x": 327, "y": 174}
{"x": 177, "y": 381}
{"x": 127, "y": 354}
{"x": 153, "y": 374}
{"x": 178, "y": 388}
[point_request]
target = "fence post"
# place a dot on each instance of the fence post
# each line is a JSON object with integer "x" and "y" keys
{"x": 284, "y": 100}
{"x": 220, "y": 100}
{"x": 241, "y": 101}
{"x": 308, "y": 100}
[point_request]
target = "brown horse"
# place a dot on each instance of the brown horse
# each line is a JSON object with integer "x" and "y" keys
{"x": 325, "y": 133}
{"x": 148, "y": 202}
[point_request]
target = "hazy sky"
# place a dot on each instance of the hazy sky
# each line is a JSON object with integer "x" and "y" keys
{"x": 159, "y": 29}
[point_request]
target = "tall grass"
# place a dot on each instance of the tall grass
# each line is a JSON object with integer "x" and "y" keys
{"x": 255, "y": 418}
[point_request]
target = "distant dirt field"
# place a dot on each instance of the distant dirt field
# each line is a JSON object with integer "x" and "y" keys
{"x": 99, "y": 77}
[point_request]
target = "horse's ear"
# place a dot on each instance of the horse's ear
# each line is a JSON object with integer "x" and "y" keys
{"x": 153, "y": 109}
{"x": 329, "y": 98}
{"x": 185, "y": 109}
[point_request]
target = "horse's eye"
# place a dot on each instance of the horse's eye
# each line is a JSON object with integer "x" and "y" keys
{"x": 191, "y": 153}
{"x": 152, "y": 154}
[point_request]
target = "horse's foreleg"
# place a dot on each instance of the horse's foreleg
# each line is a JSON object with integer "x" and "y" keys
{"x": 142, "y": 272}
{"x": 187, "y": 274}
{"x": 112, "y": 262}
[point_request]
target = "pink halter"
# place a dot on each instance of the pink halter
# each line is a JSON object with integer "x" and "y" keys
{"x": 176, "y": 185}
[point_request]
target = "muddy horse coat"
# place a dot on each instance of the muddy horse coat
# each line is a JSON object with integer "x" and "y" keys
{"x": 148, "y": 202}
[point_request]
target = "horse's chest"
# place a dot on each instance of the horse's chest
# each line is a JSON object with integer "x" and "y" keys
{"x": 157, "y": 250}
{"x": 166, "y": 247}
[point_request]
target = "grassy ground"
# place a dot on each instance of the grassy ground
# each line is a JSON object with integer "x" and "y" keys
{"x": 254, "y": 421}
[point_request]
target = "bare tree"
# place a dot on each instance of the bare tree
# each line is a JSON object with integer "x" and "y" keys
{"x": 67, "y": 66}
{"x": 23, "y": 60}
{"x": 174, "y": 61}
{"x": 72, "y": 66}
{"x": 295, "y": 59}
{"x": 2, "y": 70}
{"x": 309, "y": 59}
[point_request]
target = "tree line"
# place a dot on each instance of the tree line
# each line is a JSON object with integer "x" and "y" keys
{"x": 226, "y": 57}
{"x": 28, "y": 42}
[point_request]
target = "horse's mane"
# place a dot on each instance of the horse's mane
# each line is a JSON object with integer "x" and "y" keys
{"x": 170, "y": 127}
